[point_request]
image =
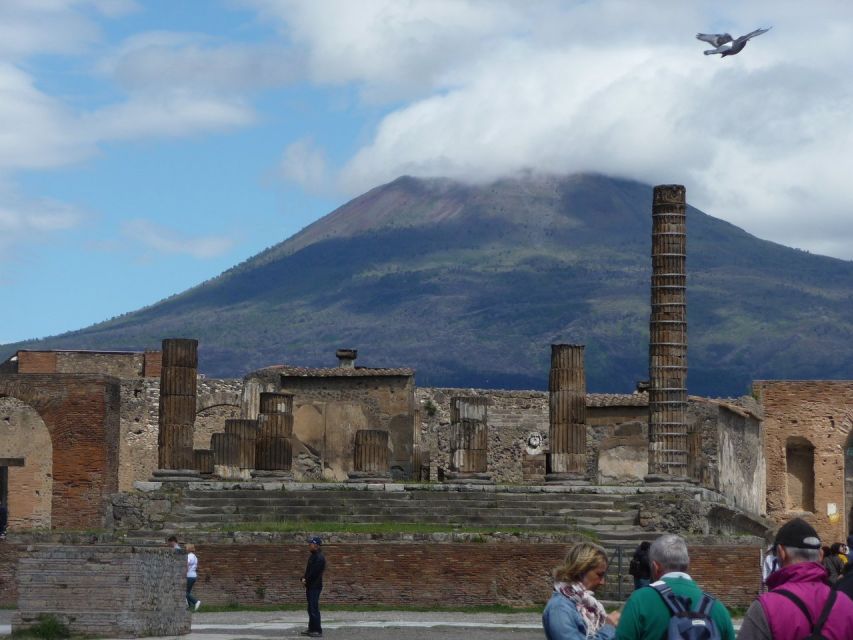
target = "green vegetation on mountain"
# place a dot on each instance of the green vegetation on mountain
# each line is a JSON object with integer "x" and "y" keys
{"x": 469, "y": 285}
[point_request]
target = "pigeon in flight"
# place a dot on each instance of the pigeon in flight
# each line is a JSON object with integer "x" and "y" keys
{"x": 725, "y": 45}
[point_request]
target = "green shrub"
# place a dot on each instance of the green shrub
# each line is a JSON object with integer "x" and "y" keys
{"x": 48, "y": 627}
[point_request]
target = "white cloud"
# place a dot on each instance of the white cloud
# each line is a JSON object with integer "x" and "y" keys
{"x": 30, "y": 221}
{"x": 162, "y": 61}
{"x": 761, "y": 138}
{"x": 304, "y": 163}
{"x": 163, "y": 240}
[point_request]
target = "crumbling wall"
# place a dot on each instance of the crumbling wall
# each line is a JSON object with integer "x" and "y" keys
{"x": 104, "y": 591}
{"x": 819, "y": 413}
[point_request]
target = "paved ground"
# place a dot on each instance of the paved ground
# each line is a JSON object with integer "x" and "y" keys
{"x": 375, "y": 625}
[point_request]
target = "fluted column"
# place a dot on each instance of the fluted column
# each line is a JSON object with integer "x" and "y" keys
{"x": 469, "y": 440}
{"x": 668, "y": 448}
{"x": 371, "y": 456}
{"x": 273, "y": 449}
{"x": 567, "y": 414}
{"x": 177, "y": 407}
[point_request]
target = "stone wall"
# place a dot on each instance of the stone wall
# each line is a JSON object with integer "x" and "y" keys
{"x": 813, "y": 417}
{"x": 81, "y": 414}
{"x": 103, "y": 591}
{"x": 119, "y": 364}
{"x": 23, "y": 435}
{"x": 329, "y": 410}
{"x": 513, "y": 416}
{"x": 218, "y": 400}
{"x": 251, "y": 570}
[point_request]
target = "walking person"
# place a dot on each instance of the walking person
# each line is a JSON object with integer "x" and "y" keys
{"x": 573, "y": 613}
{"x": 640, "y": 568}
{"x": 800, "y": 601}
{"x": 646, "y": 614}
{"x": 770, "y": 564}
{"x": 312, "y": 580}
{"x": 192, "y": 576}
{"x": 833, "y": 563}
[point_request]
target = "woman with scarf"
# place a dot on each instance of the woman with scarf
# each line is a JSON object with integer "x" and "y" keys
{"x": 573, "y": 613}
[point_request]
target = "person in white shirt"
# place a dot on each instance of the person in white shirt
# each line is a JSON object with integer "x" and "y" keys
{"x": 192, "y": 574}
{"x": 771, "y": 563}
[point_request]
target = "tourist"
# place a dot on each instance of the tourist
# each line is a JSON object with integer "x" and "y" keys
{"x": 312, "y": 580}
{"x": 4, "y": 519}
{"x": 845, "y": 552}
{"x": 799, "y": 595}
{"x": 845, "y": 583}
{"x": 646, "y": 615}
{"x": 192, "y": 575}
{"x": 771, "y": 563}
{"x": 573, "y": 613}
{"x": 172, "y": 541}
{"x": 639, "y": 567}
{"x": 832, "y": 562}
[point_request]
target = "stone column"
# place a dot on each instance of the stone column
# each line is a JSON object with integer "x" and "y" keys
{"x": 247, "y": 431}
{"x": 668, "y": 336}
{"x": 370, "y": 458}
{"x": 178, "y": 377}
{"x": 226, "y": 455}
{"x": 203, "y": 461}
{"x": 567, "y": 415}
{"x": 273, "y": 449}
{"x": 469, "y": 441}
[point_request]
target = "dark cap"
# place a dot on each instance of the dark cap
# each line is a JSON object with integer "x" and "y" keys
{"x": 798, "y": 533}
{"x": 315, "y": 540}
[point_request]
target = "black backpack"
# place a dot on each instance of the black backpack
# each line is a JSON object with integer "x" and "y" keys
{"x": 816, "y": 628}
{"x": 684, "y": 623}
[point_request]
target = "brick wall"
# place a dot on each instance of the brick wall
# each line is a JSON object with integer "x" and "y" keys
{"x": 139, "y": 591}
{"x": 427, "y": 574}
{"x": 36, "y": 362}
{"x": 515, "y": 574}
{"x": 81, "y": 413}
{"x": 819, "y": 413}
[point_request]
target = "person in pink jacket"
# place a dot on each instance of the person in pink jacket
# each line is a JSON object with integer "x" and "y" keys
{"x": 799, "y": 600}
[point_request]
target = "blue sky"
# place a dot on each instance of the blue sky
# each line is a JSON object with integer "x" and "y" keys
{"x": 146, "y": 146}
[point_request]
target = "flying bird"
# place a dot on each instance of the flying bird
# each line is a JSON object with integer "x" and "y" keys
{"x": 725, "y": 45}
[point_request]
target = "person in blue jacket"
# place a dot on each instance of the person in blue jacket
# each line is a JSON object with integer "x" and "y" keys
{"x": 573, "y": 613}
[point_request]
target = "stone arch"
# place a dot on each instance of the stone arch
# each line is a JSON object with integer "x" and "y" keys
{"x": 800, "y": 477}
{"x": 212, "y": 409}
{"x": 25, "y": 444}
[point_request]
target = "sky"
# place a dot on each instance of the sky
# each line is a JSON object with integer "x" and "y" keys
{"x": 148, "y": 145}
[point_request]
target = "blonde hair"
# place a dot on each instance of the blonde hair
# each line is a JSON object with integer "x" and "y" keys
{"x": 582, "y": 558}
{"x": 190, "y": 548}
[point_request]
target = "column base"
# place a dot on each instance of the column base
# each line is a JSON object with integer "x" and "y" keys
{"x": 462, "y": 477}
{"x": 567, "y": 478}
{"x": 372, "y": 477}
{"x": 658, "y": 478}
{"x": 266, "y": 475}
{"x": 175, "y": 475}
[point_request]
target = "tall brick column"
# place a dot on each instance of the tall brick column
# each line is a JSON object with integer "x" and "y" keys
{"x": 178, "y": 377}
{"x": 567, "y": 414}
{"x": 668, "y": 336}
{"x": 273, "y": 450}
{"x": 469, "y": 441}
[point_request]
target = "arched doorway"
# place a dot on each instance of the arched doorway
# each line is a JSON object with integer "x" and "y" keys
{"x": 27, "y": 451}
{"x": 799, "y": 462}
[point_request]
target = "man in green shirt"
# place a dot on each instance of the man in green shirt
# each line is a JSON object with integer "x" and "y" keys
{"x": 645, "y": 616}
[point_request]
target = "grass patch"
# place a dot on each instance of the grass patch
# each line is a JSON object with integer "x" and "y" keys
{"x": 497, "y": 608}
{"x": 301, "y": 526}
{"x": 48, "y": 627}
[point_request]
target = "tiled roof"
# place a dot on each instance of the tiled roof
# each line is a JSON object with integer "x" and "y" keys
{"x": 338, "y": 372}
{"x": 617, "y": 399}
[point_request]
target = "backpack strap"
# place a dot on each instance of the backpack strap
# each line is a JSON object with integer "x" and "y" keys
{"x": 800, "y": 604}
{"x": 827, "y": 608}
{"x": 672, "y": 602}
{"x": 706, "y": 604}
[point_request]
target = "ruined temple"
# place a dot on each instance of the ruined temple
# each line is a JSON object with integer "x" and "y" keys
{"x": 106, "y": 440}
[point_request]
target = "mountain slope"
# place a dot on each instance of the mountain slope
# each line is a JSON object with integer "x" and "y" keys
{"x": 470, "y": 285}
